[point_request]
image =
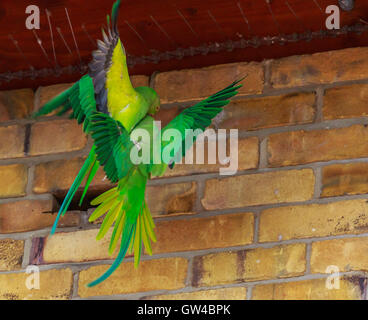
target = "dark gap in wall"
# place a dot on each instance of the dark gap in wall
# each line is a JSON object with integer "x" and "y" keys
{"x": 74, "y": 205}
{"x": 27, "y": 138}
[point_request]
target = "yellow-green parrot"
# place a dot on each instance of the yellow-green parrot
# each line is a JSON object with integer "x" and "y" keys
{"x": 110, "y": 108}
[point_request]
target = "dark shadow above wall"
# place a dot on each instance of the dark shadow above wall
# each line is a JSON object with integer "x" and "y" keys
{"x": 165, "y": 35}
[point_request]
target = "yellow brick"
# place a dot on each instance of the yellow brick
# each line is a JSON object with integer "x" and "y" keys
{"x": 59, "y": 175}
{"x": 27, "y": 215}
{"x": 171, "y": 199}
{"x": 202, "y": 233}
{"x": 11, "y": 254}
{"x": 178, "y": 235}
{"x": 315, "y": 220}
{"x": 45, "y": 94}
{"x": 249, "y": 265}
{"x": 54, "y": 284}
{"x": 325, "y": 67}
{"x": 257, "y": 189}
{"x": 346, "y": 102}
{"x": 238, "y": 293}
{"x": 161, "y": 274}
{"x": 346, "y": 254}
{"x": 56, "y": 136}
{"x": 16, "y": 104}
{"x": 298, "y": 147}
{"x": 268, "y": 112}
{"x": 309, "y": 290}
{"x": 76, "y": 246}
{"x": 247, "y": 153}
{"x": 191, "y": 84}
{"x": 13, "y": 180}
{"x": 12, "y": 142}
{"x": 342, "y": 179}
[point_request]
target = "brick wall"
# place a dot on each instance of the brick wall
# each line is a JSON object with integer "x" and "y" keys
{"x": 297, "y": 205}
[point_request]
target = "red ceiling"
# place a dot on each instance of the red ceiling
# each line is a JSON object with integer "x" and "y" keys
{"x": 159, "y": 30}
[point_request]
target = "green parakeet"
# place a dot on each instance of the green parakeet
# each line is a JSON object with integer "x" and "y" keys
{"x": 109, "y": 107}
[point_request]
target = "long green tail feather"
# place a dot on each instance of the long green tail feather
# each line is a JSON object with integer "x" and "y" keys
{"x": 91, "y": 175}
{"x": 86, "y": 170}
{"x": 125, "y": 242}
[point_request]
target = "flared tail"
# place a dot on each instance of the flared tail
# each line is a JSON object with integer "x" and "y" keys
{"x": 126, "y": 207}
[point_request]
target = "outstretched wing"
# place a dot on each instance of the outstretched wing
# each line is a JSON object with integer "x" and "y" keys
{"x": 80, "y": 99}
{"x": 109, "y": 67}
{"x": 196, "y": 117}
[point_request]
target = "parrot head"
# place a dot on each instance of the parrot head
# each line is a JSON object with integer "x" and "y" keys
{"x": 152, "y": 98}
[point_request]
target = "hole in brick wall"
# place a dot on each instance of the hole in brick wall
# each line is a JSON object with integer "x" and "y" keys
{"x": 74, "y": 205}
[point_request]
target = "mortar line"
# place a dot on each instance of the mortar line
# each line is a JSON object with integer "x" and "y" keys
{"x": 263, "y": 153}
{"x": 26, "y": 252}
{"x": 318, "y": 185}
{"x": 149, "y": 294}
{"x": 249, "y": 293}
{"x": 308, "y": 254}
{"x": 78, "y": 266}
{"x": 320, "y": 92}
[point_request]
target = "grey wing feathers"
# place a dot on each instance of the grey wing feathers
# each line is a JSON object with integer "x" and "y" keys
{"x": 101, "y": 63}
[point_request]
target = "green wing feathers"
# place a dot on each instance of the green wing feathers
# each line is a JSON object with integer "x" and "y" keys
{"x": 79, "y": 99}
{"x": 200, "y": 116}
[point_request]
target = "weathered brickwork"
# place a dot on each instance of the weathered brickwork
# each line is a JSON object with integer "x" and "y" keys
{"x": 296, "y": 206}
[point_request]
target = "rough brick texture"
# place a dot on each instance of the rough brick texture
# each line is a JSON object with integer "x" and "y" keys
{"x": 27, "y": 215}
{"x": 315, "y": 220}
{"x": 194, "y": 84}
{"x": 12, "y": 141}
{"x": 326, "y": 67}
{"x": 255, "y": 264}
{"x": 13, "y": 286}
{"x": 310, "y": 290}
{"x": 13, "y": 179}
{"x": 56, "y": 136}
{"x": 298, "y": 147}
{"x": 261, "y": 188}
{"x": 161, "y": 274}
{"x": 11, "y": 254}
{"x": 16, "y": 104}
{"x": 296, "y": 207}
{"x": 268, "y": 112}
